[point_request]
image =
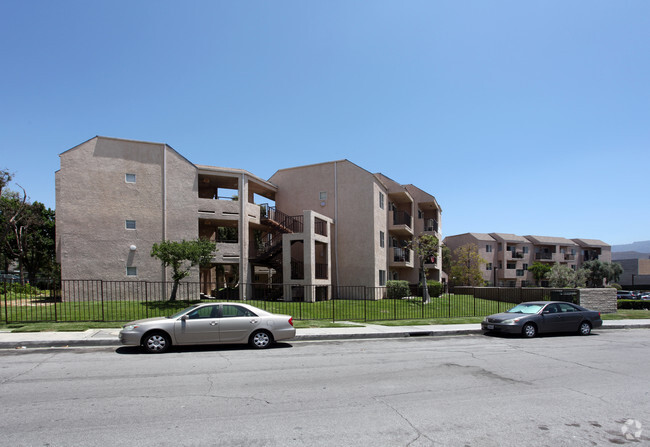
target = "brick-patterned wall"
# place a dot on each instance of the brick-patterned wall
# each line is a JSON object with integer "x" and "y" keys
{"x": 602, "y": 300}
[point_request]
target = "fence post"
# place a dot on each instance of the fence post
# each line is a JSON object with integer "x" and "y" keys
{"x": 4, "y": 287}
{"x": 146, "y": 299}
{"x": 56, "y": 318}
{"x": 101, "y": 282}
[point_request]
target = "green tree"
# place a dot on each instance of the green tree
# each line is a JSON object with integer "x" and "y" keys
{"x": 425, "y": 247}
{"x": 466, "y": 266}
{"x": 561, "y": 275}
{"x": 40, "y": 256}
{"x": 18, "y": 220}
{"x": 5, "y": 178}
{"x": 615, "y": 272}
{"x": 597, "y": 272}
{"x": 539, "y": 271}
{"x": 182, "y": 256}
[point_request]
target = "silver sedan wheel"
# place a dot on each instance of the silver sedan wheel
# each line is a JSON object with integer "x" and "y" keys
{"x": 585, "y": 328}
{"x": 260, "y": 340}
{"x": 156, "y": 343}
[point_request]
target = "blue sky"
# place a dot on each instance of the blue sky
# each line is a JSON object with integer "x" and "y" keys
{"x": 520, "y": 117}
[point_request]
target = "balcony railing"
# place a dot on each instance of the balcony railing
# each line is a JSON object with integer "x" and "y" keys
{"x": 431, "y": 225}
{"x": 401, "y": 254}
{"x": 402, "y": 218}
{"x": 543, "y": 256}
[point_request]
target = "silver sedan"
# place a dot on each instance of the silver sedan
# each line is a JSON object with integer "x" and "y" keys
{"x": 210, "y": 323}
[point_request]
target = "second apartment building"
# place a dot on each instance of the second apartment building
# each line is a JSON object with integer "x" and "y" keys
{"x": 508, "y": 256}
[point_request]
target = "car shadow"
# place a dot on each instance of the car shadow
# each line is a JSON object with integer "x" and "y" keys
{"x": 135, "y": 350}
{"x": 543, "y": 335}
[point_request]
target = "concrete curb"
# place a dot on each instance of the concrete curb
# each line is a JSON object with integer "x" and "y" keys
{"x": 106, "y": 339}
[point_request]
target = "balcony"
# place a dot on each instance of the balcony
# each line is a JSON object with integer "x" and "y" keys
{"x": 430, "y": 225}
{"x": 400, "y": 223}
{"x": 401, "y": 257}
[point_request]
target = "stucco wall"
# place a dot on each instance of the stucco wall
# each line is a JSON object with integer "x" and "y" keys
{"x": 93, "y": 202}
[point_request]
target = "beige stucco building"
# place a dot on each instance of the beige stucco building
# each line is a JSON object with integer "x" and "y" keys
{"x": 324, "y": 225}
{"x": 508, "y": 256}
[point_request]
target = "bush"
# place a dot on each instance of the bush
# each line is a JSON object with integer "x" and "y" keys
{"x": 397, "y": 289}
{"x": 435, "y": 288}
{"x": 19, "y": 289}
{"x": 633, "y": 304}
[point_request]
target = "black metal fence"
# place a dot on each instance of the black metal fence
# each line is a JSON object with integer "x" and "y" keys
{"x": 118, "y": 301}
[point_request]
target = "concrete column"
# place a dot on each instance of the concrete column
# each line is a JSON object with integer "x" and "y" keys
{"x": 245, "y": 277}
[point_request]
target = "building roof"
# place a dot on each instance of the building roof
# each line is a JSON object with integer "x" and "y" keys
{"x": 507, "y": 237}
{"x": 550, "y": 240}
{"x": 590, "y": 243}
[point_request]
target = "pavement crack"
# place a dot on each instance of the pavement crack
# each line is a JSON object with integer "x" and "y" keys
{"x": 405, "y": 419}
{"x": 9, "y": 379}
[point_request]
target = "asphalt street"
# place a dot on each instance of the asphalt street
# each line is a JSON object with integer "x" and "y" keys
{"x": 468, "y": 390}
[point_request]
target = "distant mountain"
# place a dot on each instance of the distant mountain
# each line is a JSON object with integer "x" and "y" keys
{"x": 641, "y": 247}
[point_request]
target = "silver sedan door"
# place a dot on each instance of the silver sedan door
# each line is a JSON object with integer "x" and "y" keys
{"x": 236, "y": 323}
{"x": 199, "y": 326}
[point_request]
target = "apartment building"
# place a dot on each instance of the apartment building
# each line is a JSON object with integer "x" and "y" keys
{"x": 331, "y": 224}
{"x": 508, "y": 256}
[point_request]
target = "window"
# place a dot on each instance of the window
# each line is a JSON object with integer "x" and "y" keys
{"x": 381, "y": 200}
{"x": 130, "y": 178}
{"x": 488, "y": 248}
{"x": 520, "y": 273}
{"x": 130, "y": 224}
{"x": 525, "y": 267}
{"x": 131, "y": 271}
{"x": 488, "y": 266}
{"x": 419, "y": 214}
{"x": 525, "y": 249}
{"x": 204, "y": 312}
{"x": 511, "y": 265}
{"x": 382, "y": 277}
{"x": 322, "y": 195}
{"x": 230, "y": 310}
{"x": 500, "y": 247}
{"x": 381, "y": 239}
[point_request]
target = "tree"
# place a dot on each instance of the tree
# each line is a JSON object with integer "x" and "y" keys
{"x": 597, "y": 272}
{"x": 539, "y": 271}
{"x": 426, "y": 248}
{"x": 615, "y": 271}
{"x": 40, "y": 256}
{"x": 17, "y": 221}
{"x": 5, "y": 178}
{"x": 561, "y": 275}
{"x": 182, "y": 256}
{"x": 466, "y": 266}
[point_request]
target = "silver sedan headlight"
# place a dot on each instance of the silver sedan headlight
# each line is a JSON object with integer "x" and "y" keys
{"x": 129, "y": 327}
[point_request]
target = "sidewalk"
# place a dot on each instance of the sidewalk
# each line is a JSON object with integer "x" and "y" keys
{"x": 108, "y": 337}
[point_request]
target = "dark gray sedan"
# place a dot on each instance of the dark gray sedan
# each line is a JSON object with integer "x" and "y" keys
{"x": 532, "y": 318}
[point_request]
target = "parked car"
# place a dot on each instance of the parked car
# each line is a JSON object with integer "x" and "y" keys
{"x": 645, "y": 296}
{"x": 625, "y": 295}
{"x": 209, "y": 323}
{"x": 532, "y": 318}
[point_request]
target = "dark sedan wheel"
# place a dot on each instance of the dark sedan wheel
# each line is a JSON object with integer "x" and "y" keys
{"x": 156, "y": 342}
{"x": 529, "y": 330}
{"x": 260, "y": 339}
{"x": 585, "y": 328}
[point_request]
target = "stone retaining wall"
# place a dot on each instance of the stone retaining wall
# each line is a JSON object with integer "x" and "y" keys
{"x": 602, "y": 300}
